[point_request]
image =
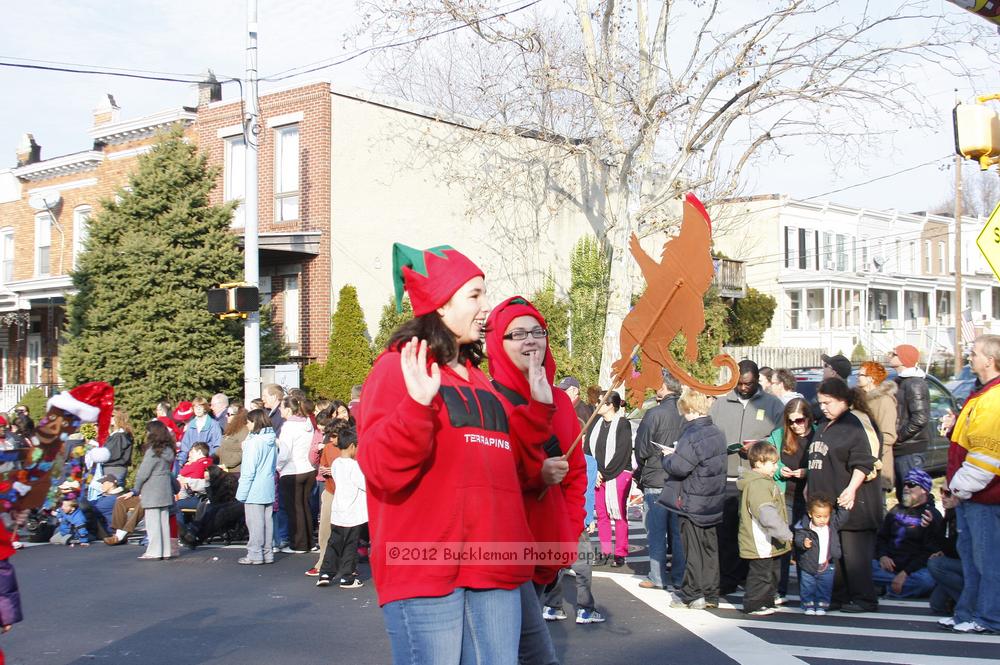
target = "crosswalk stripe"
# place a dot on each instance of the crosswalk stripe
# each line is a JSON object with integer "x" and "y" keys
{"x": 931, "y": 621}
{"x": 935, "y": 635}
{"x": 883, "y": 656}
{"x": 737, "y": 644}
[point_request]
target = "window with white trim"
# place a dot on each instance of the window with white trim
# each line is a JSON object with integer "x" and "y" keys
{"x": 291, "y": 312}
{"x": 791, "y": 247}
{"x": 7, "y": 256}
{"x": 286, "y": 173}
{"x": 43, "y": 243}
{"x": 942, "y": 259}
{"x": 234, "y": 181}
{"x": 928, "y": 259}
{"x": 81, "y": 230}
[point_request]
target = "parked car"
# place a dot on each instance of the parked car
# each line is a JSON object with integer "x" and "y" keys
{"x": 963, "y": 385}
{"x": 942, "y": 400}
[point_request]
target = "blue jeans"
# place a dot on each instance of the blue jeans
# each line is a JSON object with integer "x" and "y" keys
{"x": 902, "y": 465}
{"x": 280, "y": 518}
{"x": 536, "y": 643}
{"x": 917, "y": 585}
{"x": 466, "y": 627}
{"x": 662, "y": 526}
{"x": 947, "y": 572}
{"x": 815, "y": 590}
{"x": 978, "y": 543}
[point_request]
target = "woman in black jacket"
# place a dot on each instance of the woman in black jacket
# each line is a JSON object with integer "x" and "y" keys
{"x": 609, "y": 440}
{"x": 119, "y": 446}
{"x": 696, "y": 490}
{"x": 843, "y": 463}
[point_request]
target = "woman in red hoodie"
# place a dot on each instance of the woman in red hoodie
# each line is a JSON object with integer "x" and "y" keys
{"x": 516, "y": 331}
{"x": 437, "y": 449}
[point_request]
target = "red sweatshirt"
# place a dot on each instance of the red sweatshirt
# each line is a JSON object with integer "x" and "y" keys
{"x": 443, "y": 473}
{"x": 559, "y": 516}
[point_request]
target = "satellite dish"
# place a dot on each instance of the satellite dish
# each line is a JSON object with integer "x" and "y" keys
{"x": 878, "y": 262}
{"x": 44, "y": 200}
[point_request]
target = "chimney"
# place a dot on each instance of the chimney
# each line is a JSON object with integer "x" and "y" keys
{"x": 209, "y": 90}
{"x": 107, "y": 111}
{"x": 28, "y": 152}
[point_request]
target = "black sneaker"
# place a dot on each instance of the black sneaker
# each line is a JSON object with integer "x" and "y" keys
{"x": 324, "y": 580}
{"x": 855, "y": 607}
{"x": 352, "y": 583}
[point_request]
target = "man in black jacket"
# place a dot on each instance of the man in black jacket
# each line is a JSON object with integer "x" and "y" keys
{"x": 913, "y": 407}
{"x": 660, "y": 427}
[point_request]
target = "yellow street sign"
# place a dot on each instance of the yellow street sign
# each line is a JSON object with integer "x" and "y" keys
{"x": 989, "y": 241}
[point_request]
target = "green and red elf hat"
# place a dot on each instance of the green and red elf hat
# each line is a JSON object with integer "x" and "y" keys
{"x": 430, "y": 276}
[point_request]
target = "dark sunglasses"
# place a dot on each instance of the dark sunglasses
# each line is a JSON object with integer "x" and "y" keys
{"x": 946, "y": 493}
{"x": 911, "y": 484}
{"x": 799, "y": 421}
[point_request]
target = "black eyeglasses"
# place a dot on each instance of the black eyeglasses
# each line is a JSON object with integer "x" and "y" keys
{"x": 519, "y": 334}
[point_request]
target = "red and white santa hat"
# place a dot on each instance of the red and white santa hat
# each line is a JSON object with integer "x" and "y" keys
{"x": 90, "y": 402}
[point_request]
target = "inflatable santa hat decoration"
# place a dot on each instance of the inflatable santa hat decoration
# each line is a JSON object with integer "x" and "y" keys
{"x": 90, "y": 402}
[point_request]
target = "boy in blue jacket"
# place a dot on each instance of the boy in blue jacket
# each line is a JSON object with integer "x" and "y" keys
{"x": 581, "y": 569}
{"x": 72, "y": 528}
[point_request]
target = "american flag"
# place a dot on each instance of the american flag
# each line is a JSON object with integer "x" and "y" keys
{"x": 968, "y": 329}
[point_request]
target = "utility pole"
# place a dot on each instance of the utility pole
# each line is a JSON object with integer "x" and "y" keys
{"x": 251, "y": 269}
{"x": 958, "y": 266}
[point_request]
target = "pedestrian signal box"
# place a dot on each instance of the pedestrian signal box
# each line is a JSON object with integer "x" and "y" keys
{"x": 233, "y": 300}
{"x": 977, "y": 133}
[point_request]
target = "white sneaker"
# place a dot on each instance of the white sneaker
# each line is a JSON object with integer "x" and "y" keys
{"x": 971, "y": 627}
{"x": 779, "y": 600}
{"x": 762, "y": 612}
{"x": 820, "y": 612}
{"x": 947, "y": 623}
{"x": 810, "y": 612}
{"x": 553, "y": 613}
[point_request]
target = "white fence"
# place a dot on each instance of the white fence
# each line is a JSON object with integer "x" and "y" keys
{"x": 12, "y": 393}
{"x": 776, "y": 357}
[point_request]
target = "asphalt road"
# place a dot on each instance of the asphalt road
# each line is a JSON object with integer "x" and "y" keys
{"x": 100, "y": 604}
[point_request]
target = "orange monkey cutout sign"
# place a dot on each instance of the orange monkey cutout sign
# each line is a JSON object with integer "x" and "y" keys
{"x": 673, "y": 303}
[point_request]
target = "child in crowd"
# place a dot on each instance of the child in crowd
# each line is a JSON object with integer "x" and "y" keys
{"x": 817, "y": 548}
{"x": 581, "y": 569}
{"x": 348, "y": 514}
{"x": 696, "y": 490}
{"x": 72, "y": 528}
{"x": 764, "y": 533}
{"x": 193, "y": 476}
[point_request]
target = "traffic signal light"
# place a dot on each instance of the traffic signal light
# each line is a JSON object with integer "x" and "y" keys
{"x": 233, "y": 300}
{"x": 977, "y": 133}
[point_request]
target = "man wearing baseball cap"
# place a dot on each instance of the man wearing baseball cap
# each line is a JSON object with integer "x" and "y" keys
{"x": 913, "y": 413}
{"x": 837, "y": 365}
{"x": 571, "y": 385}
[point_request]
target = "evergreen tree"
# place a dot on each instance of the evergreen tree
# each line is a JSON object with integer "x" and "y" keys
{"x": 350, "y": 355}
{"x": 273, "y": 348}
{"x": 590, "y": 273}
{"x": 556, "y": 313}
{"x": 389, "y": 321}
{"x": 139, "y": 319}
{"x": 751, "y": 317}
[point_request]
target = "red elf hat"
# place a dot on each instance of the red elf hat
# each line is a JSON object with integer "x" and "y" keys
{"x": 430, "y": 276}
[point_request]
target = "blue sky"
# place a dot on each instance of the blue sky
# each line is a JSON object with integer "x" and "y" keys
{"x": 188, "y": 36}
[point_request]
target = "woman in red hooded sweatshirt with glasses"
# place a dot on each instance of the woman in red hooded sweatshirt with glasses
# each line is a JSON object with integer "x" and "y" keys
{"x": 516, "y": 332}
{"x": 437, "y": 448}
